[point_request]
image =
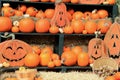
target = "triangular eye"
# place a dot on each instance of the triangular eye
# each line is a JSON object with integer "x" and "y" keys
{"x": 117, "y": 36}
{"x": 112, "y": 36}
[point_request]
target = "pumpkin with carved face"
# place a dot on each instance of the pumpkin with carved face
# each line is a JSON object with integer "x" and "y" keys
{"x": 96, "y": 48}
{"x": 112, "y": 42}
{"x": 14, "y": 52}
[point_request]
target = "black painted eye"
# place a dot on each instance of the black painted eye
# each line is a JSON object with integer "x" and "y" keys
{"x": 9, "y": 47}
{"x": 117, "y": 36}
{"x": 112, "y": 36}
{"x": 19, "y": 48}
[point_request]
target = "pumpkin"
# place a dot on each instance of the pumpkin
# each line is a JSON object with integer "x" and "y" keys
{"x": 87, "y": 14}
{"x": 90, "y": 26}
{"x": 112, "y": 42}
{"x": 55, "y": 56}
{"x": 15, "y": 29}
{"x": 53, "y": 29}
{"x": 110, "y": 78}
{"x": 102, "y": 13}
{"x": 49, "y": 13}
{"x": 83, "y": 59}
{"x": 74, "y": 1}
{"x": 103, "y": 25}
{"x": 66, "y": 48}
{"x": 42, "y": 26}
{"x": 22, "y": 8}
{"x": 36, "y": 49}
{"x": 7, "y": 10}
{"x": 117, "y": 75}
{"x": 111, "y": 2}
{"x": 77, "y": 26}
{"x": 96, "y": 48}
{"x": 31, "y": 60}
{"x": 77, "y": 49}
{"x": 60, "y": 17}
{"x": 34, "y": 0}
{"x": 57, "y": 62}
{"x": 44, "y": 0}
{"x": 51, "y": 64}
{"x": 68, "y": 29}
{"x": 26, "y": 25}
{"x": 14, "y": 52}
{"x": 3, "y": 26}
{"x": 31, "y": 11}
{"x": 47, "y": 49}
{"x": 40, "y": 14}
{"x": 11, "y": 78}
{"x": 68, "y": 58}
{"x": 78, "y": 15}
{"x": 45, "y": 58}
{"x": 18, "y": 13}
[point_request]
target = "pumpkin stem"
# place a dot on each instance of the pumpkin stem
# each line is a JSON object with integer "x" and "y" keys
{"x": 97, "y": 33}
{"x": 7, "y": 35}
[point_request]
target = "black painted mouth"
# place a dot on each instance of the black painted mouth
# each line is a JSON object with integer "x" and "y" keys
{"x": 95, "y": 58}
{"x": 113, "y": 56}
{"x": 11, "y": 60}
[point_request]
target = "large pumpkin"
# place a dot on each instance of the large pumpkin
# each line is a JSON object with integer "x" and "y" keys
{"x": 112, "y": 42}
{"x": 3, "y": 26}
{"x": 14, "y": 52}
{"x": 96, "y": 48}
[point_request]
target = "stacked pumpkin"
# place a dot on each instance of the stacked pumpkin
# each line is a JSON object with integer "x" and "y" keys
{"x": 80, "y": 22}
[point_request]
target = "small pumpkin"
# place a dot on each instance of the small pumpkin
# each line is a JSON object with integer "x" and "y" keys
{"x": 31, "y": 11}
{"x": 22, "y": 8}
{"x": 77, "y": 26}
{"x": 53, "y": 29}
{"x": 40, "y": 14}
{"x": 31, "y": 60}
{"x": 68, "y": 29}
{"x": 90, "y": 26}
{"x": 51, "y": 64}
{"x": 26, "y": 25}
{"x": 78, "y": 15}
{"x": 49, "y": 13}
{"x": 102, "y": 13}
{"x": 68, "y": 58}
{"x": 83, "y": 59}
{"x": 42, "y": 26}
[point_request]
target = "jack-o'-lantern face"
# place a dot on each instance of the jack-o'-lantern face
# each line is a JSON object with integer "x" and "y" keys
{"x": 14, "y": 52}
{"x": 112, "y": 41}
{"x": 96, "y": 48}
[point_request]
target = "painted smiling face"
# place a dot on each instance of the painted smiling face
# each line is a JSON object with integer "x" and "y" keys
{"x": 96, "y": 48}
{"x": 112, "y": 42}
{"x": 13, "y": 52}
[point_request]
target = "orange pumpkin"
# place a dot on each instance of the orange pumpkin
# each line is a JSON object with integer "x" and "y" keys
{"x": 83, "y": 59}
{"x": 55, "y": 56}
{"x": 47, "y": 49}
{"x": 57, "y": 62}
{"x": 110, "y": 78}
{"x": 7, "y": 10}
{"x": 78, "y": 15}
{"x": 77, "y": 50}
{"x": 111, "y": 2}
{"x": 112, "y": 42}
{"x": 42, "y": 25}
{"x": 77, "y": 26}
{"x": 44, "y": 0}
{"x": 68, "y": 29}
{"x": 103, "y": 25}
{"x": 40, "y": 14}
{"x": 26, "y": 25}
{"x": 66, "y": 48}
{"x": 117, "y": 75}
{"x": 18, "y": 13}
{"x": 36, "y": 49}
{"x": 74, "y": 1}
{"x": 3, "y": 26}
{"x": 90, "y": 26}
{"x": 31, "y": 60}
{"x": 102, "y": 13}
{"x": 51, "y": 64}
{"x": 68, "y": 58}
{"x": 14, "y": 52}
{"x": 45, "y": 58}
{"x": 49, "y": 13}
{"x": 31, "y": 11}
{"x": 54, "y": 29}
{"x": 15, "y": 29}
{"x": 22, "y": 8}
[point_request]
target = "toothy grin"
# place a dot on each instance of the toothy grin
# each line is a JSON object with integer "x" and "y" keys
{"x": 11, "y": 60}
{"x": 113, "y": 56}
